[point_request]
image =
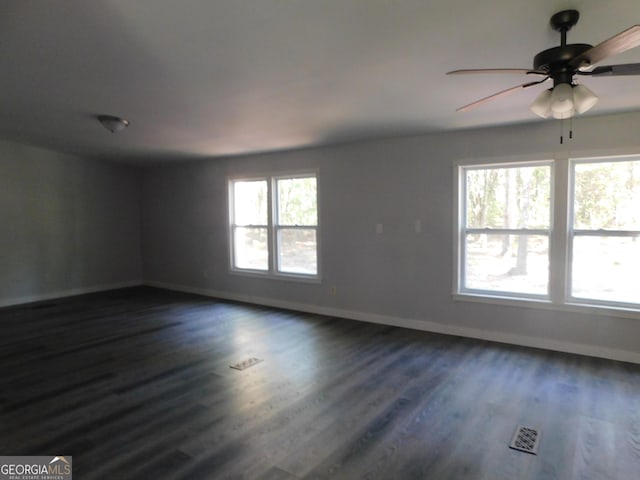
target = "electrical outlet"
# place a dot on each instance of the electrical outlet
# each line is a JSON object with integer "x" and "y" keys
{"x": 333, "y": 290}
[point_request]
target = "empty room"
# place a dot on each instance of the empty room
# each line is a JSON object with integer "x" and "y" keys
{"x": 320, "y": 239}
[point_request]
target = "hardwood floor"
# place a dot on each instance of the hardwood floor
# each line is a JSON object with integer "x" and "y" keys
{"x": 136, "y": 384}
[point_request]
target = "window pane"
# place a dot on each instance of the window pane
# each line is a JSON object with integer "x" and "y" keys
{"x": 606, "y": 268}
{"x": 297, "y": 201}
{"x": 507, "y": 263}
{"x": 516, "y": 197}
{"x": 250, "y": 248}
{"x": 607, "y": 195}
{"x": 297, "y": 250}
{"x": 250, "y": 202}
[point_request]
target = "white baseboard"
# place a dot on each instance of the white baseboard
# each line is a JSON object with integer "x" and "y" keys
{"x": 6, "y": 302}
{"x": 415, "y": 324}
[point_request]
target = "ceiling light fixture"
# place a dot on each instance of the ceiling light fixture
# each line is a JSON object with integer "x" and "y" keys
{"x": 564, "y": 100}
{"x": 113, "y": 124}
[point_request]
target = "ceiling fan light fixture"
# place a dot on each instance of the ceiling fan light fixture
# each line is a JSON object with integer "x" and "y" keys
{"x": 583, "y": 98}
{"x": 564, "y": 113}
{"x": 561, "y": 100}
{"x": 112, "y": 123}
{"x": 541, "y": 106}
{"x": 564, "y": 101}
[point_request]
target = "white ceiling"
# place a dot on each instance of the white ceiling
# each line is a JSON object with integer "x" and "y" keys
{"x": 206, "y": 78}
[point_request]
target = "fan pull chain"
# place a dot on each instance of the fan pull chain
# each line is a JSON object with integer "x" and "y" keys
{"x": 570, "y": 128}
{"x": 562, "y": 129}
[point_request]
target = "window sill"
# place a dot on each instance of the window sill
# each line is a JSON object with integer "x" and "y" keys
{"x": 277, "y": 276}
{"x": 599, "y": 310}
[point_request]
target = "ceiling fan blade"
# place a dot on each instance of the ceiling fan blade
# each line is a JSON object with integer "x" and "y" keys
{"x": 477, "y": 103}
{"x": 495, "y": 70}
{"x": 614, "y": 70}
{"x": 623, "y": 41}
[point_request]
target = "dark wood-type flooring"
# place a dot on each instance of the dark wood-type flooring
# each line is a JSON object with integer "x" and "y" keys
{"x": 136, "y": 383}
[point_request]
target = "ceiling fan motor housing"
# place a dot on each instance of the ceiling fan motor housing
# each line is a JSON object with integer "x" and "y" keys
{"x": 556, "y": 61}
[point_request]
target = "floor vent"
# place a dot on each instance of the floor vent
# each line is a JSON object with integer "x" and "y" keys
{"x": 249, "y": 362}
{"x": 526, "y": 439}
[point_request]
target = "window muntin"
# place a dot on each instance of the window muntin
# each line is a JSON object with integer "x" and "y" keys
{"x": 505, "y": 226}
{"x": 274, "y": 225}
{"x": 604, "y": 236}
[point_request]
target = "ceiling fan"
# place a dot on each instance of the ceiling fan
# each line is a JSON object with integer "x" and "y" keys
{"x": 561, "y": 64}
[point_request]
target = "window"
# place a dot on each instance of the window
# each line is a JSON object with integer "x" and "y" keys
{"x": 515, "y": 241}
{"x": 274, "y": 225}
{"x": 250, "y": 225}
{"x": 505, "y": 229}
{"x": 605, "y": 231}
{"x": 296, "y": 225}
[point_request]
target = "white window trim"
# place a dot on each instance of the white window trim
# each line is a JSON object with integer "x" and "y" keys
{"x": 559, "y": 298}
{"x": 231, "y": 226}
{"x": 272, "y": 271}
{"x": 462, "y": 230}
{"x": 572, "y": 232}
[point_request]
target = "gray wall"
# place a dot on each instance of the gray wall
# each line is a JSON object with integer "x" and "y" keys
{"x": 68, "y": 225}
{"x": 400, "y": 277}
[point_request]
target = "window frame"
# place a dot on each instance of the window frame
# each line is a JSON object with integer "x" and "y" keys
{"x": 278, "y": 227}
{"x": 463, "y": 231}
{"x": 273, "y": 269}
{"x": 233, "y": 226}
{"x": 560, "y": 238}
{"x": 572, "y": 233}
